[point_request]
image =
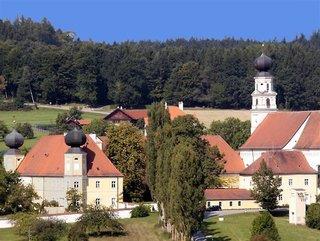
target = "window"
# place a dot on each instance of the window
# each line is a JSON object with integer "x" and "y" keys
{"x": 113, "y": 201}
{"x": 97, "y": 184}
{"x": 257, "y": 101}
{"x": 230, "y": 204}
{"x": 97, "y": 201}
{"x": 209, "y": 204}
{"x": 290, "y": 182}
{"x": 280, "y": 197}
{"x": 306, "y": 182}
{"x": 220, "y": 204}
{"x": 267, "y": 87}
{"x": 239, "y": 203}
{"x": 113, "y": 184}
{"x": 268, "y": 102}
{"x": 76, "y": 184}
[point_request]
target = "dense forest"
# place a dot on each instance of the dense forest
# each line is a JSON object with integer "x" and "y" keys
{"x": 57, "y": 67}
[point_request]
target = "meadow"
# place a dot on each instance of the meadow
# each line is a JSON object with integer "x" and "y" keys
{"x": 36, "y": 116}
{"x": 206, "y": 116}
{"x": 237, "y": 228}
{"x": 138, "y": 229}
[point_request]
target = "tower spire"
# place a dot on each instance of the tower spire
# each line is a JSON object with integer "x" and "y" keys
{"x": 263, "y": 96}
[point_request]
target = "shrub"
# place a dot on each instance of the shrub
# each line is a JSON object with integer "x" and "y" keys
{"x": 97, "y": 126}
{"x": 313, "y": 216}
{"x": 140, "y": 211}
{"x": 259, "y": 237}
{"x": 12, "y": 106}
{"x": 48, "y": 230}
{"x": 264, "y": 225}
{"x": 100, "y": 221}
{"x": 25, "y": 129}
{"x": 23, "y": 222}
{"x": 3, "y": 129}
{"x": 77, "y": 232}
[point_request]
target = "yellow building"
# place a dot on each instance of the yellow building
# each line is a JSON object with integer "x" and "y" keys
{"x": 230, "y": 198}
{"x": 293, "y": 169}
{"x": 57, "y": 163}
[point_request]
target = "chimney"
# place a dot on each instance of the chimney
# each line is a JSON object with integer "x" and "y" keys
{"x": 180, "y": 104}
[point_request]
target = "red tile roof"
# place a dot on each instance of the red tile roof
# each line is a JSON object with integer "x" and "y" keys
{"x": 310, "y": 137}
{"x": 281, "y": 162}
{"x": 46, "y": 158}
{"x": 234, "y": 163}
{"x": 84, "y": 122}
{"x": 227, "y": 194}
{"x": 276, "y": 130}
{"x": 174, "y": 112}
{"x": 137, "y": 114}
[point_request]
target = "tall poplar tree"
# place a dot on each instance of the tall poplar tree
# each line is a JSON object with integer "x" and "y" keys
{"x": 158, "y": 116}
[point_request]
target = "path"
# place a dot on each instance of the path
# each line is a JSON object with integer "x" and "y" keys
{"x": 66, "y": 107}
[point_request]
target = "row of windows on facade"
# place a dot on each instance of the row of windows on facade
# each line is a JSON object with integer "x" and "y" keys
{"x": 230, "y": 204}
{"x": 113, "y": 201}
{"x": 113, "y": 184}
{"x": 290, "y": 182}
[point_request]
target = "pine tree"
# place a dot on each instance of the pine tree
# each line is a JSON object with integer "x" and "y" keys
{"x": 266, "y": 187}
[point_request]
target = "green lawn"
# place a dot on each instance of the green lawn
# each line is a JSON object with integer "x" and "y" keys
{"x": 39, "y": 116}
{"x": 138, "y": 229}
{"x": 237, "y": 228}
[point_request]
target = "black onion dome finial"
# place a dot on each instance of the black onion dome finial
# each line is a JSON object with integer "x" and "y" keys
{"x": 75, "y": 138}
{"x": 14, "y": 140}
{"x": 263, "y": 63}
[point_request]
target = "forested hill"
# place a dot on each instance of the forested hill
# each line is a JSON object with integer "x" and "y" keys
{"x": 217, "y": 73}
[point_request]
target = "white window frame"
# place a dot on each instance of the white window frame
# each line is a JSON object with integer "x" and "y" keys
{"x": 98, "y": 201}
{"x": 76, "y": 184}
{"x": 113, "y": 184}
{"x": 98, "y": 184}
{"x": 306, "y": 182}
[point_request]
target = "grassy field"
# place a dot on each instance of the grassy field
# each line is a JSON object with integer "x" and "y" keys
{"x": 39, "y": 116}
{"x": 140, "y": 229}
{"x": 237, "y": 228}
{"x": 206, "y": 116}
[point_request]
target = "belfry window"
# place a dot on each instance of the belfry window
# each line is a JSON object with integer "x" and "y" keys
{"x": 268, "y": 102}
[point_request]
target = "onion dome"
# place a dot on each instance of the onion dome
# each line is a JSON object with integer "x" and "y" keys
{"x": 14, "y": 140}
{"x": 263, "y": 63}
{"x": 75, "y": 138}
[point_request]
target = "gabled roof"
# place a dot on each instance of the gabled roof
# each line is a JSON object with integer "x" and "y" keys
{"x": 137, "y": 114}
{"x": 46, "y": 158}
{"x": 227, "y": 194}
{"x": 310, "y": 137}
{"x": 281, "y": 162}
{"x": 276, "y": 130}
{"x": 174, "y": 112}
{"x": 233, "y": 161}
{"x": 81, "y": 122}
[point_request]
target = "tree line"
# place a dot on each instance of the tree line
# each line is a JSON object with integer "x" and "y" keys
{"x": 52, "y": 66}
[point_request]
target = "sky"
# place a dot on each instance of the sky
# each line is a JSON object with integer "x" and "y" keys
{"x": 121, "y": 20}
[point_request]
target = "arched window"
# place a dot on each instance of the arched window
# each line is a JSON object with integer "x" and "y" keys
{"x": 257, "y": 102}
{"x": 268, "y": 103}
{"x": 268, "y": 87}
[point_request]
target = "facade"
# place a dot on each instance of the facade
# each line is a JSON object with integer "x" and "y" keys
{"x": 232, "y": 198}
{"x": 57, "y": 163}
{"x": 293, "y": 169}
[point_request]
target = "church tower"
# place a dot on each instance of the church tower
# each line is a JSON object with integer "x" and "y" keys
{"x": 263, "y": 96}
{"x": 13, "y": 157}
